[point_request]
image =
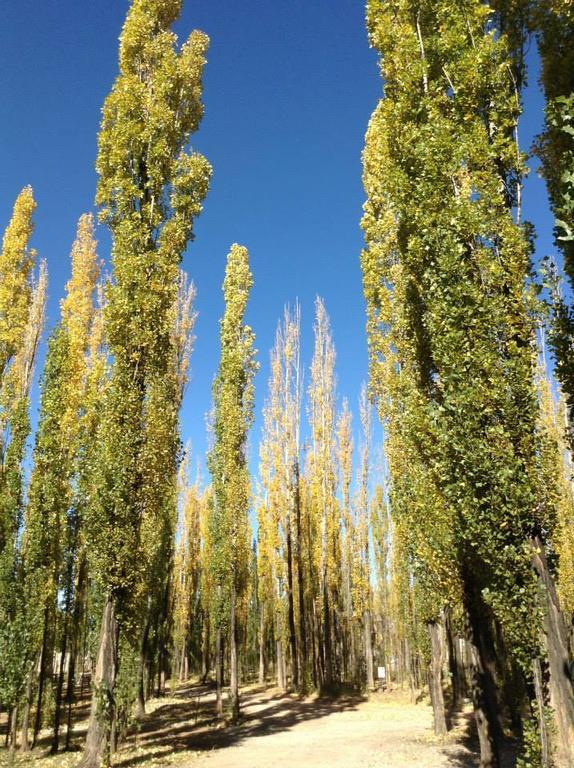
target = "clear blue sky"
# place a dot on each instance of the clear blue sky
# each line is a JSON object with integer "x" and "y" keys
{"x": 288, "y": 90}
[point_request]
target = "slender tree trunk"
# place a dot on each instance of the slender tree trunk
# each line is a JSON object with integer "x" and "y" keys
{"x": 369, "y": 650}
{"x": 454, "y": 663}
{"x": 13, "y": 728}
{"x": 483, "y": 680}
{"x": 280, "y": 656}
{"x": 60, "y": 684}
{"x": 219, "y": 671}
{"x": 205, "y": 654}
{"x": 41, "y": 676}
{"x": 328, "y": 662}
{"x": 300, "y": 581}
{"x": 435, "y": 678}
{"x": 141, "y": 697}
{"x": 24, "y": 733}
{"x": 561, "y": 686}
{"x": 102, "y": 713}
{"x": 233, "y": 665}
{"x": 79, "y": 613}
{"x": 262, "y": 665}
{"x": 546, "y": 760}
{"x": 291, "y": 610}
{"x": 70, "y": 696}
{"x": 281, "y": 677}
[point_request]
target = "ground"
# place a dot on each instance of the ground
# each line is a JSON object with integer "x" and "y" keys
{"x": 282, "y": 731}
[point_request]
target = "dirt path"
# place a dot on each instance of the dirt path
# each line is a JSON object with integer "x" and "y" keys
{"x": 279, "y": 731}
{"x": 181, "y": 730}
{"x": 282, "y": 732}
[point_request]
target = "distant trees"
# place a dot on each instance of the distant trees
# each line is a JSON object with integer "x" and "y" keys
{"x": 443, "y": 557}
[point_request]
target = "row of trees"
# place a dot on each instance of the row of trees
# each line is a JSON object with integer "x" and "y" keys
{"x": 449, "y": 560}
{"x": 475, "y": 446}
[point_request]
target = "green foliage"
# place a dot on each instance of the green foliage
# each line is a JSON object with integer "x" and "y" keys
{"x": 150, "y": 190}
{"x": 554, "y": 25}
{"x": 444, "y": 277}
{"x": 233, "y": 415}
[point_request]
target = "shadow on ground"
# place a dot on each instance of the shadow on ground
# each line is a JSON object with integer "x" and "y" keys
{"x": 458, "y": 754}
{"x": 192, "y": 724}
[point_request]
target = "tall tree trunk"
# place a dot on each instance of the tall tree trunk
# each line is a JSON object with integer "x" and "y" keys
{"x": 435, "y": 678}
{"x": 291, "y": 609}
{"x": 141, "y": 691}
{"x": 555, "y": 636}
{"x": 280, "y": 656}
{"x": 281, "y": 676}
{"x": 44, "y": 653}
{"x": 454, "y": 663}
{"x": 368, "y": 629}
{"x": 102, "y": 713}
{"x": 205, "y": 654}
{"x": 300, "y": 581}
{"x": 60, "y": 683}
{"x": 483, "y": 674}
{"x": 233, "y": 665}
{"x": 262, "y": 665}
{"x": 219, "y": 671}
{"x": 24, "y": 732}
{"x": 546, "y": 760}
{"x": 70, "y": 685}
{"x": 327, "y": 653}
{"x": 78, "y": 619}
{"x": 13, "y": 728}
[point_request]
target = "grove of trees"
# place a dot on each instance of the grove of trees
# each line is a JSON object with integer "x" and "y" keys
{"x": 443, "y": 556}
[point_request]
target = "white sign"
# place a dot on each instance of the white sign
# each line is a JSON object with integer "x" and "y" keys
{"x": 381, "y": 673}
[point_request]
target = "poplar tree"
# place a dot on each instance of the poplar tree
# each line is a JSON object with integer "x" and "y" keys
{"x": 363, "y": 580}
{"x": 442, "y": 222}
{"x": 233, "y": 415}
{"x": 323, "y": 484}
{"x": 348, "y": 549}
{"x": 150, "y": 190}
{"x": 159, "y": 492}
{"x": 52, "y": 521}
{"x": 22, "y": 305}
{"x": 280, "y": 474}
{"x": 554, "y": 25}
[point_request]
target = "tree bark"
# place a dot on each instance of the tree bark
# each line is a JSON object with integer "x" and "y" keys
{"x": 60, "y": 685}
{"x": 454, "y": 663}
{"x": 24, "y": 732}
{"x": 233, "y": 666}
{"x": 219, "y": 671}
{"x": 300, "y": 581}
{"x": 483, "y": 680}
{"x": 13, "y": 727}
{"x": 291, "y": 609}
{"x": 555, "y": 636}
{"x": 327, "y": 655}
{"x": 41, "y": 676}
{"x": 546, "y": 761}
{"x": 141, "y": 697}
{"x": 205, "y": 654}
{"x": 435, "y": 678}
{"x": 102, "y": 713}
{"x": 368, "y": 629}
{"x": 262, "y": 664}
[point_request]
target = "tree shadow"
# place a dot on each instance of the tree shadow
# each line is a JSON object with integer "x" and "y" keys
{"x": 192, "y": 723}
{"x": 465, "y": 753}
